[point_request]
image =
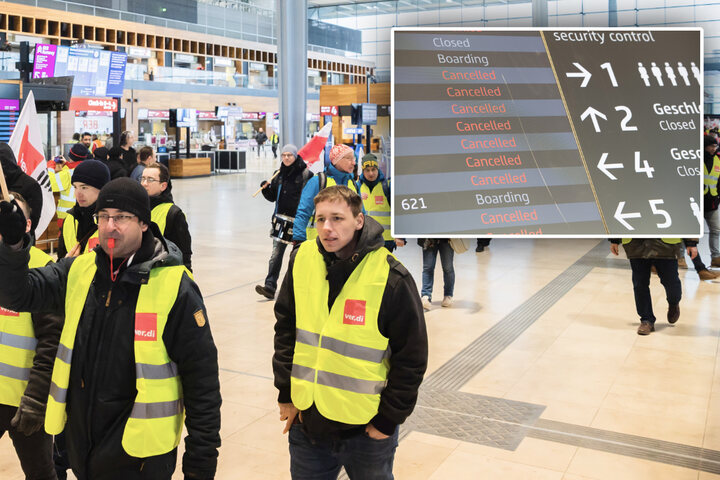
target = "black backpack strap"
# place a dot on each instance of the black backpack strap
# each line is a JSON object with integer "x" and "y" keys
{"x": 386, "y": 190}
{"x": 322, "y": 181}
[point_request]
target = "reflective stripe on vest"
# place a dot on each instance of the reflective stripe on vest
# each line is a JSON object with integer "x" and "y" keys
{"x": 69, "y": 235}
{"x": 377, "y": 206}
{"x": 710, "y": 180}
{"x": 311, "y": 230}
{"x": 341, "y": 359}
{"x": 17, "y": 344}
{"x": 159, "y": 215}
{"x": 67, "y": 193}
{"x": 155, "y": 423}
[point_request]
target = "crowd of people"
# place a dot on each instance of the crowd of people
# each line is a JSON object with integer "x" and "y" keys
{"x": 118, "y": 354}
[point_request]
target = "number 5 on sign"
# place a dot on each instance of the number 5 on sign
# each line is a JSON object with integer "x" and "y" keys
{"x": 658, "y": 211}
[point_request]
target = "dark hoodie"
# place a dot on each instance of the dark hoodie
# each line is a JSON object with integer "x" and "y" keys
{"x": 176, "y": 227}
{"x": 115, "y": 163}
{"x": 18, "y": 181}
{"x": 286, "y": 188}
{"x": 401, "y": 320}
{"x": 85, "y": 228}
{"x": 102, "y": 385}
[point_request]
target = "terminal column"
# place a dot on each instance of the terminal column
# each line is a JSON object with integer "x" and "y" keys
{"x": 292, "y": 66}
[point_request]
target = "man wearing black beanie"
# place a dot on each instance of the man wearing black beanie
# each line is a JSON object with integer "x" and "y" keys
{"x": 79, "y": 231}
{"x": 132, "y": 313}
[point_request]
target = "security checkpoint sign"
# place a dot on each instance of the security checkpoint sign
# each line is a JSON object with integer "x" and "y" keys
{"x": 562, "y": 133}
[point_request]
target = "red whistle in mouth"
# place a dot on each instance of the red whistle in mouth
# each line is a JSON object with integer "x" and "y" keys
{"x": 111, "y": 243}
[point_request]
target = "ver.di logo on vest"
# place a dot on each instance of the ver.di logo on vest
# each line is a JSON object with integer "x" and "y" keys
{"x": 379, "y": 199}
{"x": 354, "y": 313}
{"x": 146, "y": 327}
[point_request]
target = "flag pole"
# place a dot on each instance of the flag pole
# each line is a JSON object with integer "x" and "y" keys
{"x": 3, "y": 185}
{"x": 271, "y": 179}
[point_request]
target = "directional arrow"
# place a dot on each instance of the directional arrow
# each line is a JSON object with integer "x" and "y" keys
{"x": 620, "y": 216}
{"x": 605, "y": 167}
{"x": 584, "y": 74}
{"x": 594, "y": 114}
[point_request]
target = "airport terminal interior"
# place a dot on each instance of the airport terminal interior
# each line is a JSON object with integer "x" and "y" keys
{"x": 534, "y": 372}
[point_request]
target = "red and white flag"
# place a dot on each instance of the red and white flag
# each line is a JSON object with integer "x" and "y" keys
{"x": 26, "y": 143}
{"x": 312, "y": 150}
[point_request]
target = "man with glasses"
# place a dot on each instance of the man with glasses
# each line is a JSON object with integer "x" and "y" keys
{"x": 169, "y": 218}
{"x": 136, "y": 354}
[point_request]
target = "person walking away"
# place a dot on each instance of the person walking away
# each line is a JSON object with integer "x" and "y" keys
{"x": 430, "y": 249}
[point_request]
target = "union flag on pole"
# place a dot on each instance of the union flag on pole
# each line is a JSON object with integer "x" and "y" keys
{"x": 311, "y": 151}
{"x": 26, "y": 143}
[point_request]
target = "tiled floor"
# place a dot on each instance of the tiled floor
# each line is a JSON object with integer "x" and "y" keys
{"x": 606, "y": 393}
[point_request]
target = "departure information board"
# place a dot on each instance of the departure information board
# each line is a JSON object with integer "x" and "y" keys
{"x": 98, "y": 73}
{"x": 547, "y": 132}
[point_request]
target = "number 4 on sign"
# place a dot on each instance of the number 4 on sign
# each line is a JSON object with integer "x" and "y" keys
{"x": 645, "y": 168}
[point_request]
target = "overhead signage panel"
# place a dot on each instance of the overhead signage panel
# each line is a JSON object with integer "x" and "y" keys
{"x": 547, "y": 132}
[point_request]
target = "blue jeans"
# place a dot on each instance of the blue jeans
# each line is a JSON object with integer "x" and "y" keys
{"x": 713, "y": 221}
{"x": 275, "y": 264}
{"x": 428, "y": 275}
{"x": 363, "y": 457}
{"x": 667, "y": 270}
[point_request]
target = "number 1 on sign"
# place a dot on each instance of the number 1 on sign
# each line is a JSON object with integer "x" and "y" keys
{"x": 611, "y": 74}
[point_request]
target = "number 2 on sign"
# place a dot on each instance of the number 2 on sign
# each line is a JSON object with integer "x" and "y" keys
{"x": 413, "y": 204}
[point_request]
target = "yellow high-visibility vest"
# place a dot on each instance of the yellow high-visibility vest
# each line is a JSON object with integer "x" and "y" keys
{"x": 159, "y": 215}
{"x": 341, "y": 359}
{"x": 377, "y": 206}
{"x": 710, "y": 180}
{"x": 17, "y": 344}
{"x": 62, "y": 182}
{"x": 311, "y": 229}
{"x": 156, "y": 420}
{"x": 69, "y": 235}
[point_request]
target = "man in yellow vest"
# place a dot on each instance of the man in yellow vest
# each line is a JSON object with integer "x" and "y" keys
{"x": 711, "y": 166}
{"x": 28, "y": 344}
{"x": 374, "y": 189}
{"x": 78, "y": 233}
{"x": 661, "y": 253}
{"x": 350, "y": 345}
{"x": 136, "y": 356}
{"x": 169, "y": 218}
{"x": 339, "y": 172}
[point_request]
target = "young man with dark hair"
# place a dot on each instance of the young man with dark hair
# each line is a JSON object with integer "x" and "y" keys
{"x": 136, "y": 355}
{"x": 169, "y": 218}
{"x": 350, "y": 345}
{"x": 78, "y": 233}
{"x": 29, "y": 344}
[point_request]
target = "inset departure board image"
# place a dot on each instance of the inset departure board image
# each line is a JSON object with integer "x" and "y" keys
{"x": 576, "y": 132}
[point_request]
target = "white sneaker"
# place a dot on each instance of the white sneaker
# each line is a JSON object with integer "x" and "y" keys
{"x": 447, "y": 302}
{"x": 426, "y": 303}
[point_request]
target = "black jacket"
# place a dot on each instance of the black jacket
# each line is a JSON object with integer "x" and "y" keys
{"x": 102, "y": 379}
{"x": 18, "y": 181}
{"x": 116, "y": 164}
{"x": 86, "y": 227}
{"x": 286, "y": 188}
{"x": 176, "y": 227}
{"x": 129, "y": 159}
{"x": 401, "y": 320}
{"x": 47, "y": 328}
